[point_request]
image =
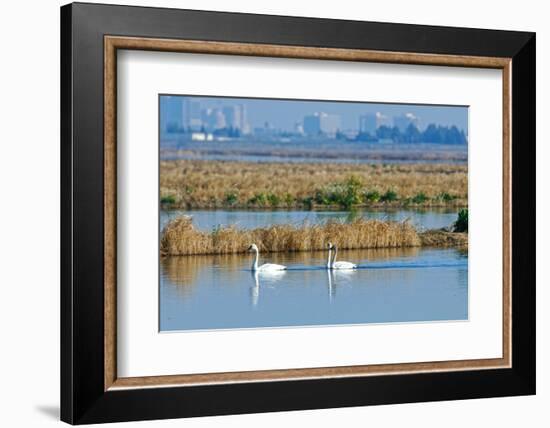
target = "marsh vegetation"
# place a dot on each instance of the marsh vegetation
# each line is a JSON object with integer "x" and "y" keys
{"x": 179, "y": 237}
{"x": 192, "y": 184}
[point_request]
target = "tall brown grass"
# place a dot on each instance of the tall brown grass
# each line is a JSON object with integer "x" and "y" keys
{"x": 180, "y": 237}
{"x": 441, "y": 238}
{"x": 216, "y": 184}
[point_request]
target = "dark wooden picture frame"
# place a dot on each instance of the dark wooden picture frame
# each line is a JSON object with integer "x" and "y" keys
{"x": 90, "y": 389}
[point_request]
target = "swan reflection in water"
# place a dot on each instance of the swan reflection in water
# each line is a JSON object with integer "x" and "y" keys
{"x": 336, "y": 278}
{"x": 269, "y": 278}
{"x": 266, "y": 277}
{"x": 331, "y": 290}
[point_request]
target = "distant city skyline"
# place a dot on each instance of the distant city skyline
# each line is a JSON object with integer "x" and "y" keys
{"x": 246, "y": 114}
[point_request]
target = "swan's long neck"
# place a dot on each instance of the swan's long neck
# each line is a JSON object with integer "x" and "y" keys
{"x": 328, "y": 260}
{"x": 255, "y": 263}
{"x": 334, "y": 257}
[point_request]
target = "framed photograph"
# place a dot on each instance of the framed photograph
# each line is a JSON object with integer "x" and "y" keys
{"x": 265, "y": 213}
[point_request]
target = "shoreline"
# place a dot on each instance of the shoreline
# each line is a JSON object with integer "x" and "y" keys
{"x": 317, "y": 207}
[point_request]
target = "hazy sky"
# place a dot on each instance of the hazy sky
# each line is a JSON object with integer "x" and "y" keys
{"x": 285, "y": 113}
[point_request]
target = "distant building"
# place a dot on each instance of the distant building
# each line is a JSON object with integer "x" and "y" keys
{"x": 312, "y": 124}
{"x": 245, "y": 127}
{"x": 201, "y": 136}
{"x": 349, "y": 134}
{"x": 382, "y": 120}
{"x": 219, "y": 119}
{"x": 403, "y": 121}
{"x": 171, "y": 114}
{"x": 368, "y": 123}
{"x": 193, "y": 119}
{"x": 212, "y": 119}
{"x": 235, "y": 117}
{"x": 266, "y": 131}
{"x": 321, "y": 123}
{"x": 299, "y": 128}
{"x": 232, "y": 116}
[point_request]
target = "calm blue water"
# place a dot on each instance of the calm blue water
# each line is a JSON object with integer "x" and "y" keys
{"x": 250, "y": 219}
{"x": 391, "y": 285}
{"x": 300, "y": 159}
{"x": 323, "y": 150}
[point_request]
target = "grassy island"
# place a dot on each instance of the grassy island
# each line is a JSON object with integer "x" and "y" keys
{"x": 180, "y": 237}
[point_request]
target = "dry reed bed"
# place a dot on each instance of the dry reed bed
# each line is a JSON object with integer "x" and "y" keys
{"x": 215, "y": 184}
{"x": 441, "y": 238}
{"x": 180, "y": 237}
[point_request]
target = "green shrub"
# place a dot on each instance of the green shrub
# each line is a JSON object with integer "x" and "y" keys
{"x": 373, "y": 196}
{"x": 389, "y": 196}
{"x": 351, "y": 192}
{"x": 345, "y": 194}
{"x": 323, "y": 196}
{"x": 308, "y": 203}
{"x": 259, "y": 199}
{"x": 168, "y": 199}
{"x": 446, "y": 197}
{"x": 265, "y": 199}
{"x": 273, "y": 199}
{"x": 461, "y": 223}
{"x": 288, "y": 199}
{"x": 231, "y": 198}
{"x": 419, "y": 198}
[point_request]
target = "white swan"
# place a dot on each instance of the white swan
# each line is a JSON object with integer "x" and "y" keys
{"x": 339, "y": 265}
{"x": 267, "y": 267}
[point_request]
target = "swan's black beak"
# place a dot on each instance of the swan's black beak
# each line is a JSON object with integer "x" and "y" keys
{"x": 250, "y": 248}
